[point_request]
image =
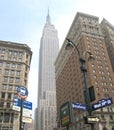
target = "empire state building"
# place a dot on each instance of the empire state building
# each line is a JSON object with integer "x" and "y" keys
{"x": 49, "y": 47}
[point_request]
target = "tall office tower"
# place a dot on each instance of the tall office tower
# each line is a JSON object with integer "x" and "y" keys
{"x": 87, "y": 35}
{"x": 15, "y": 59}
{"x": 108, "y": 31}
{"x": 49, "y": 47}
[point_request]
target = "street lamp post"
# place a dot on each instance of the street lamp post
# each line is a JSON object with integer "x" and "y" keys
{"x": 84, "y": 71}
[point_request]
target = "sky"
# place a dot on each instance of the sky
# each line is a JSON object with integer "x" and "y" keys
{"x": 22, "y": 21}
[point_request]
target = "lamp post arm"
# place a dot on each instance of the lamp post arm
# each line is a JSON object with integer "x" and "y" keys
{"x": 73, "y": 44}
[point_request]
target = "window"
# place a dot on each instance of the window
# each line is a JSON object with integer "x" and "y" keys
{"x": 17, "y": 80}
{"x": 5, "y": 79}
{"x": 25, "y": 75}
{"x": 102, "y": 117}
{"x": 7, "y": 65}
{"x": 100, "y": 61}
{"x": 105, "y": 62}
{"x": 19, "y": 66}
{"x": 102, "y": 77}
{"x": 10, "y": 87}
{"x": 88, "y": 46}
{"x": 8, "y": 104}
{"x": 18, "y": 73}
{"x": 14, "y": 58}
{"x": 104, "y": 58}
{"x": 113, "y": 90}
{"x": 107, "y": 67}
{"x": 110, "y": 78}
{"x": 9, "y": 58}
{"x": 12, "y": 72}
{"x": 86, "y": 37}
{"x": 15, "y": 53}
{"x": 3, "y": 95}
{"x": 97, "y": 89}
{"x": 20, "y": 54}
{"x": 111, "y": 84}
{"x": 1, "y": 105}
{"x": 95, "y": 76}
{"x": 2, "y": 57}
{"x": 93, "y": 65}
{"x": 104, "y": 83}
{"x": 13, "y": 65}
{"x": 1, "y": 63}
{"x": 9, "y": 95}
{"x": 101, "y": 72}
{"x": 11, "y": 80}
{"x": 10, "y": 52}
{"x": 6, "y": 117}
{"x": 27, "y": 56}
{"x": 4, "y": 87}
{"x": 106, "y": 95}
{"x": 94, "y": 71}
{"x": 109, "y": 109}
{"x": 1, "y": 117}
{"x": 16, "y": 87}
{"x": 96, "y": 83}
{"x": 26, "y": 68}
{"x": 20, "y": 59}
{"x": 15, "y": 96}
{"x": 103, "y": 53}
{"x": 105, "y": 90}
{"x": 25, "y": 81}
{"x": 6, "y": 72}
{"x": 3, "y": 50}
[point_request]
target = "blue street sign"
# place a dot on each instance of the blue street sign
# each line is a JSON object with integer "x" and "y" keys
{"x": 102, "y": 103}
{"x": 16, "y": 102}
{"x": 79, "y": 106}
{"x": 27, "y": 105}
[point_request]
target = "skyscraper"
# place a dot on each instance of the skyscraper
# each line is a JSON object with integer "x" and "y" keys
{"x": 49, "y": 47}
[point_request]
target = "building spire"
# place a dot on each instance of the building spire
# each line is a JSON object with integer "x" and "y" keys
{"x": 48, "y": 19}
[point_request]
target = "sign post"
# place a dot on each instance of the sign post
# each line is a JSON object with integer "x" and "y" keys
{"x": 22, "y": 93}
{"x": 27, "y": 109}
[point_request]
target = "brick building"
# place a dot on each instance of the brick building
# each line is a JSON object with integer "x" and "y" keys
{"x": 88, "y": 35}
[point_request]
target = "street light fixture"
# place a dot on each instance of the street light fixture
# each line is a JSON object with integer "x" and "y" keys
{"x": 84, "y": 71}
